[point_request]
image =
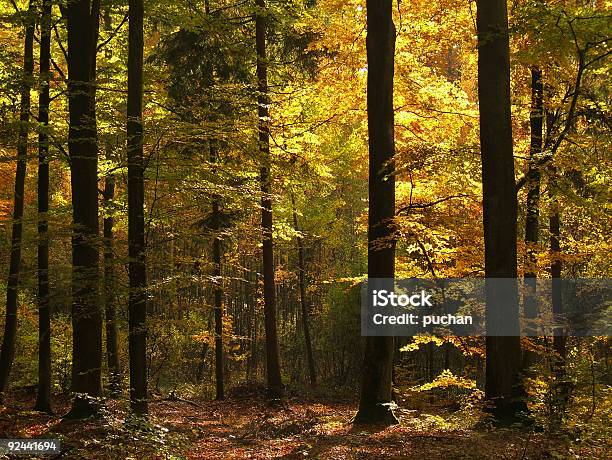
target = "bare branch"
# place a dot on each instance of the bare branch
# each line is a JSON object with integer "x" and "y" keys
{"x": 412, "y": 206}
{"x": 113, "y": 34}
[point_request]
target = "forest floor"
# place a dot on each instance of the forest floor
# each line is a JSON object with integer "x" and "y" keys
{"x": 241, "y": 428}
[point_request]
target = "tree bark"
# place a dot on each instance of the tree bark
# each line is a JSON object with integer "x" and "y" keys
{"x": 82, "y": 22}
{"x": 218, "y": 286}
{"x": 561, "y": 386}
{"x": 304, "y": 304}
{"x": 559, "y": 339}
{"x": 556, "y": 267}
{"x": 110, "y": 286}
{"x": 273, "y": 374}
{"x": 110, "y": 282}
{"x": 536, "y": 121}
{"x": 217, "y": 273}
{"x": 136, "y": 224}
{"x": 43, "y": 395}
{"x": 533, "y": 195}
{"x": 376, "y": 398}
{"x": 10, "y": 326}
{"x": 503, "y": 385}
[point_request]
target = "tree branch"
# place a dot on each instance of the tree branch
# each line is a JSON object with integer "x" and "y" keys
{"x": 113, "y": 34}
{"x": 412, "y": 206}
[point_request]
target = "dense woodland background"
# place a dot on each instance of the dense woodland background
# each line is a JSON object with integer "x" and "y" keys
{"x": 192, "y": 193}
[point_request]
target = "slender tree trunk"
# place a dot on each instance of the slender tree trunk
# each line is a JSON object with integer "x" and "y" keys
{"x": 43, "y": 395}
{"x": 536, "y": 121}
{"x": 110, "y": 286}
{"x": 274, "y": 382}
{"x": 110, "y": 282}
{"x": 10, "y": 326}
{"x": 374, "y": 405}
{"x": 82, "y": 23}
{"x": 503, "y": 360}
{"x": 217, "y": 273}
{"x": 560, "y": 386}
{"x": 136, "y": 224}
{"x": 304, "y": 304}
{"x": 253, "y": 316}
{"x": 218, "y": 285}
{"x": 533, "y": 197}
{"x": 559, "y": 339}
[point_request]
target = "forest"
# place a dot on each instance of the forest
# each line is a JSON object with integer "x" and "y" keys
{"x": 194, "y": 193}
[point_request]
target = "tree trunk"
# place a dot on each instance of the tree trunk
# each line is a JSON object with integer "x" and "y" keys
{"x": 110, "y": 282}
{"x": 110, "y": 286}
{"x": 43, "y": 395}
{"x": 304, "y": 304}
{"x": 218, "y": 286}
{"x": 374, "y": 405}
{"x": 274, "y": 382}
{"x": 82, "y": 23}
{"x": 303, "y": 301}
{"x": 559, "y": 339}
{"x": 561, "y": 385}
{"x": 136, "y": 224}
{"x": 503, "y": 359}
{"x": 536, "y": 120}
{"x": 217, "y": 275}
{"x": 10, "y": 326}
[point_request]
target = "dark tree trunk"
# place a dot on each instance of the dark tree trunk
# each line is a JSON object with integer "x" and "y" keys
{"x": 536, "y": 121}
{"x": 110, "y": 283}
{"x": 561, "y": 386}
{"x": 136, "y": 223}
{"x": 217, "y": 275}
{"x": 110, "y": 286}
{"x": 10, "y": 326}
{"x": 503, "y": 359}
{"x": 374, "y": 405}
{"x": 43, "y": 395}
{"x": 559, "y": 338}
{"x": 82, "y": 23}
{"x": 274, "y": 382}
{"x": 304, "y": 304}
{"x": 218, "y": 286}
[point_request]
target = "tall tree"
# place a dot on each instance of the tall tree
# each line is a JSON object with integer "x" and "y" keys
{"x": 110, "y": 284}
{"x": 10, "y": 325}
{"x": 82, "y": 23}
{"x": 43, "y": 396}
{"x": 136, "y": 223}
{"x": 556, "y": 266}
{"x": 274, "y": 381}
{"x": 560, "y": 387}
{"x": 375, "y": 402}
{"x": 503, "y": 353}
{"x": 303, "y": 302}
{"x": 217, "y": 267}
{"x": 218, "y": 284}
{"x": 536, "y": 123}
